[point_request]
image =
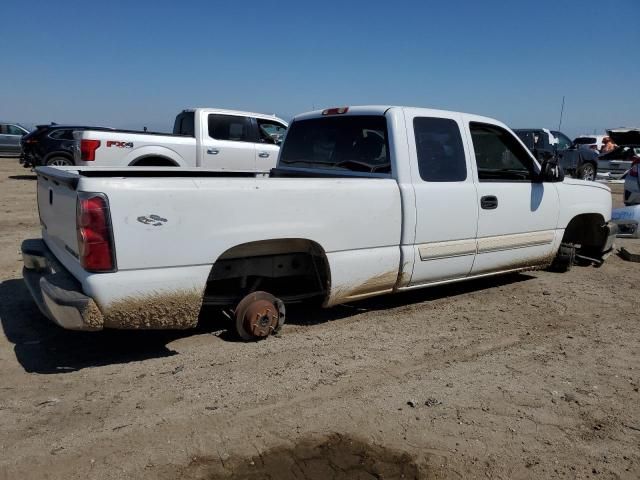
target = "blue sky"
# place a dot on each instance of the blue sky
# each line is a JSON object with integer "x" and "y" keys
{"x": 129, "y": 64}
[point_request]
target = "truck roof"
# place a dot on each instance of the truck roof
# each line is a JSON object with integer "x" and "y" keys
{"x": 234, "y": 112}
{"x": 382, "y": 109}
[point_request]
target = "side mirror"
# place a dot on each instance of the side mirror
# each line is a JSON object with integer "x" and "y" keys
{"x": 551, "y": 172}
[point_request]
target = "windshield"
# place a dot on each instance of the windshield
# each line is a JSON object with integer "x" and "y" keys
{"x": 346, "y": 143}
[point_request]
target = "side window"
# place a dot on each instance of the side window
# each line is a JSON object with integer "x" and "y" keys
{"x": 230, "y": 127}
{"x": 440, "y": 151}
{"x": 563, "y": 141}
{"x": 499, "y": 156}
{"x": 3, "y": 129}
{"x": 13, "y": 130}
{"x": 184, "y": 124}
{"x": 270, "y": 131}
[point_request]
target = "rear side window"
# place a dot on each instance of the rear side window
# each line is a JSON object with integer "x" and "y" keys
{"x": 230, "y": 127}
{"x": 184, "y": 124}
{"x": 440, "y": 151}
{"x": 499, "y": 156}
{"x": 355, "y": 143}
{"x": 62, "y": 134}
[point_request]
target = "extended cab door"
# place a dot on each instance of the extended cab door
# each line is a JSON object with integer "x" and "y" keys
{"x": 228, "y": 143}
{"x": 518, "y": 216}
{"x": 445, "y": 197}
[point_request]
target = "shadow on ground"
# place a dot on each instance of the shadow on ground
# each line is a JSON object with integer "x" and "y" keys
{"x": 42, "y": 347}
{"x": 23, "y": 177}
{"x": 337, "y": 456}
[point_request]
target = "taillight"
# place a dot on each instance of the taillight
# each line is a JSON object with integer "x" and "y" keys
{"x": 88, "y": 150}
{"x": 31, "y": 140}
{"x": 335, "y": 111}
{"x": 634, "y": 167}
{"x": 95, "y": 240}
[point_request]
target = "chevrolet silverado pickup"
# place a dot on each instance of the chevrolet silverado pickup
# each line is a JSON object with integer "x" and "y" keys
{"x": 364, "y": 201}
{"x": 215, "y": 139}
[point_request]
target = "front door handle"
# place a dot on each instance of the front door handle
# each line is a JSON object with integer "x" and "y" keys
{"x": 263, "y": 155}
{"x": 489, "y": 202}
{"x": 213, "y": 151}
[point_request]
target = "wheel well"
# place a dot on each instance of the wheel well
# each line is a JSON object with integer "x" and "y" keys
{"x": 292, "y": 269}
{"x": 153, "y": 162}
{"x": 586, "y": 230}
{"x": 58, "y": 154}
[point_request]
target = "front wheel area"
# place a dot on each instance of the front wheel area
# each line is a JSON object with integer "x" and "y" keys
{"x": 587, "y": 171}
{"x": 587, "y": 240}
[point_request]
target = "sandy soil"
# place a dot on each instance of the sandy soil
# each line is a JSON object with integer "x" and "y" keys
{"x": 528, "y": 376}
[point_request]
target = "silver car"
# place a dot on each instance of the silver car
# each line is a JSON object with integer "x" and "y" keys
{"x": 10, "y": 136}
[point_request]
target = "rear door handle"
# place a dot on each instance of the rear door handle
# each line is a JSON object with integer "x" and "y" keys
{"x": 489, "y": 202}
{"x": 213, "y": 151}
{"x": 263, "y": 155}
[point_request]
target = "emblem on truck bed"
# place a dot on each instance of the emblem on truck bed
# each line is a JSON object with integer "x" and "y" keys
{"x": 153, "y": 220}
{"x": 113, "y": 143}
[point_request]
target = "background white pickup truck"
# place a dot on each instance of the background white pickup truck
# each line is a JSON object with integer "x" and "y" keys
{"x": 364, "y": 201}
{"x": 203, "y": 137}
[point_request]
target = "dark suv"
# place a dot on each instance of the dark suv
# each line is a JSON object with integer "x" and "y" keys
{"x": 50, "y": 145}
{"x": 580, "y": 163}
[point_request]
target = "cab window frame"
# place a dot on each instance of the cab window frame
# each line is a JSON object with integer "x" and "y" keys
{"x": 456, "y": 145}
{"x": 530, "y": 163}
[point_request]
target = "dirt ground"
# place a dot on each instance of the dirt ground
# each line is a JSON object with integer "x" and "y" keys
{"x": 531, "y": 375}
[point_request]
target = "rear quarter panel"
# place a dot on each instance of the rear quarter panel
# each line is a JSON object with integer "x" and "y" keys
{"x": 122, "y": 149}
{"x": 173, "y": 224}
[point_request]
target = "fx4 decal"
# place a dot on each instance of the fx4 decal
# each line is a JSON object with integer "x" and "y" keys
{"x": 113, "y": 143}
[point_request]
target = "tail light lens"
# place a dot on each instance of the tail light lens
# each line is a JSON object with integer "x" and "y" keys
{"x": 88, "y": 150}
{"x": 95, "y": 239}
{"x": 30, "y": 141}
{"x": 633, "y": 172}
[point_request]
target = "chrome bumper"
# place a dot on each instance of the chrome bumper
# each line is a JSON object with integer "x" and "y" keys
{"x": 56, "y": 292}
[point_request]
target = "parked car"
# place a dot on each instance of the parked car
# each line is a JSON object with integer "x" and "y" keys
{"x": 10, "y": 136}
{"x": 592, "y": 142}
{"x": 619, "y": 161}
{"x": 364, "y": 201}
{"x": 204, "y": 137}
{"x": 51, "y": 145}
{"x": 577, "y": 162}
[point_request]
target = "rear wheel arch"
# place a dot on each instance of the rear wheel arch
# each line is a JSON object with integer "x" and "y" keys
{"x": 153, "y": 161}
{"x": 290, "y": 268}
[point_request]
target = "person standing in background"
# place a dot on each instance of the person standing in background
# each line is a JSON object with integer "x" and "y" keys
{"x": 607, "y": 146}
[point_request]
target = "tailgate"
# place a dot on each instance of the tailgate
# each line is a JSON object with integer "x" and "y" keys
{"x": 57, "y": 209}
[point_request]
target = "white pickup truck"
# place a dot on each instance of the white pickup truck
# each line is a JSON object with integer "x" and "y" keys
{"x": 364, "y": 201}
{"x": 222, "y": 140}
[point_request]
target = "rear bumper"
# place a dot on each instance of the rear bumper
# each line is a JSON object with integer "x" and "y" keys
{"x": 56, "y": 292}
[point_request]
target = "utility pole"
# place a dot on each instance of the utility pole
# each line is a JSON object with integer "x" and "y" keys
{"x": 561, "y": 112}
